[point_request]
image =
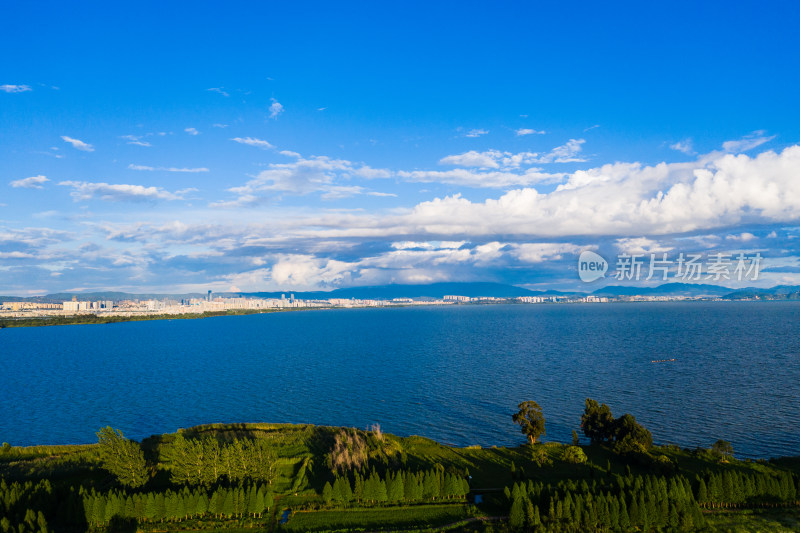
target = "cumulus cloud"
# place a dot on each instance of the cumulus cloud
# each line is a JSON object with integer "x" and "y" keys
{"x": 192, "y": 131}
{"x": 406, "y": 262}
{"x": 251, "y": 141}
{"x": 275, "y": 109}
{"x": 83, "y": 190}
{"x": 166, "y": 169}
{"x": 527, "y": 131}
{"x": 15, "y": 88}
{"x": 78, "y": 144}
{"x": 34, "y": 182}
{"x": 625, "y": 198}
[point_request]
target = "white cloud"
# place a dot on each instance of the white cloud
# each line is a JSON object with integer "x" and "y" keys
{"x": 15, "y": 88}
{"x": 742, "y": 237}
{"x": 626, "y": 198}
{"x": 34, "y": 182}
{"x": 591, "y": 128}
{"x": 135, "y": 139}
{"x": 192, "y": 131}
{"x": 473, "y": 159}
{"x": 219, "y": 125}
{"x": 748, "y": 142}
{"x": 473, "y": 178}
{"x": 527, "y": 131}
{"x": 78, "y": 144}
{"x": 476, "y": 133}
{"x": 275, "y": 109}
{"x": 166, "y": 169}
{"x": 538, "y": 252}
{"x": 83, "y": 190}
{"x": 566, "y": 153}
{"x": 304, "y": 176}
{"x": 641, "y": 245}
{"x": 218, "y": 90}
{"x": 250, "y": 141}
{"x": 684, "y": 146}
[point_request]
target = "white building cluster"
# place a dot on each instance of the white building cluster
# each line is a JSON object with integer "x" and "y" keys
{"x": 219, "y": 304}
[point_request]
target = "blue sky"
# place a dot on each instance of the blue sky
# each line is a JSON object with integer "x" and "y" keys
{"x": 251, "y": 146}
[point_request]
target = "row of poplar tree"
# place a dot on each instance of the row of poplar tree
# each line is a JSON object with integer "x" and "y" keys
{"x": 34, "y": 507}
{"x": 643, "y": 502}
{"x": 204, "y": 461}
{"x": 395, "y": 486}
{"x": 736, "y": 489}
{"x": 235, "y": 502}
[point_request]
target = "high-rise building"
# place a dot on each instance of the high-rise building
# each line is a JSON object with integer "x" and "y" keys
{"x": 209, "y": 296}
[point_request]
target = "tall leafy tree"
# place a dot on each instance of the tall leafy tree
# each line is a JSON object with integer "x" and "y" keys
{"x": 530, "y": 419}
{"x": 597, "y": 421}
{"x": 122, "y": 457}
{"x": 631, "y": 436}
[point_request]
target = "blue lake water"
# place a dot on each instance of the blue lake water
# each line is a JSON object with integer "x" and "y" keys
{"x": 454, "y": 374}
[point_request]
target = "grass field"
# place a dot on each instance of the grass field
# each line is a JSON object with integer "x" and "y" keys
{"x": 420, "y": 516}
{"x": 747, "y": 521}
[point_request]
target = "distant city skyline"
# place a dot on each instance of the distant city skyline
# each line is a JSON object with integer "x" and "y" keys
{"x": 155, "y": 148}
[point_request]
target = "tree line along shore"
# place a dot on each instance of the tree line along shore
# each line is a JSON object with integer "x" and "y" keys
{"x": 283, "y": 477}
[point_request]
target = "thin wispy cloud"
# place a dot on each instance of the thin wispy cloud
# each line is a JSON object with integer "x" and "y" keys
{"x": 566, "y": 153}
{"x": 251, "y": 141}
{"x": 83, "y": 190}
{"x": 476, "y": 133}
{"x": 218, "y": 90}
{"x": 527, "y": 131}
{"x": 78, "y": 144}
{"x": 275, "y": 109}
{"x": 166, "y": 169}
{"x": 192, "y": 131}
{"x": 591, "y": 128}
{"x": 15, "y": 88}
{"x": 748, "y": 142}
{"x": 684, "y": 146}
{"x": 34, "y": 182}
{"x": 135, "y": 140}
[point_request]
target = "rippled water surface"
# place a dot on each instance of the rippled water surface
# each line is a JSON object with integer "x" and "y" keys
{"x": 451, "y": 373}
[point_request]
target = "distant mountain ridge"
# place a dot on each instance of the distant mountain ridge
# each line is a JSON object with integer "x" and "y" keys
{"x": 667, "y": 289}
{"x": 431, "y": 290}
{"x": 438, "y": 290}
